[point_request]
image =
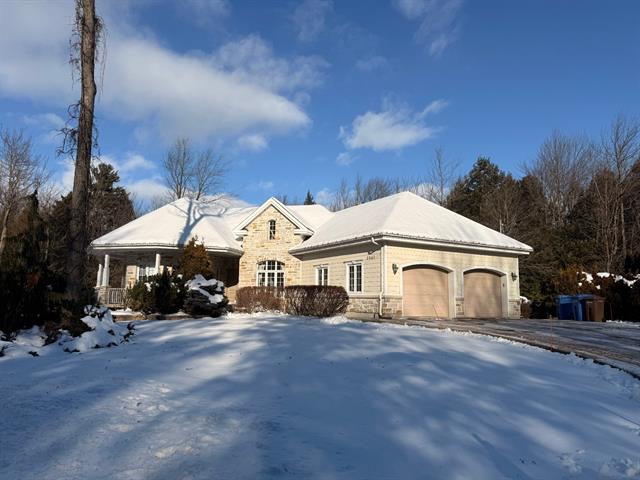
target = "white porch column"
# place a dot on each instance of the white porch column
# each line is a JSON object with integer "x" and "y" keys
{"x": 105, "y": 271}
{"x": 99, "y": 276}
{"x": 158, "y": 263}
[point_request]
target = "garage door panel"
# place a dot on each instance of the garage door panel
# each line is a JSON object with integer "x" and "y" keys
{"x": 425, "y": 292}
{"x": 482, "y": 294}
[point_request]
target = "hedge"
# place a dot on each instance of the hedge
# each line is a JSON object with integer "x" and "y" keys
{"x": 308, "y": 300}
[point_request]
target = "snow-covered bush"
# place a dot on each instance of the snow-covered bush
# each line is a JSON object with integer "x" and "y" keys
{"x": 260, "y": 299}
{"x": 103, "y": 332}
{"x": 205, "y": 297}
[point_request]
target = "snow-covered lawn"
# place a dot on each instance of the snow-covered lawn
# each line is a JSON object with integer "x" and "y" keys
{"x": 265, "y": 396}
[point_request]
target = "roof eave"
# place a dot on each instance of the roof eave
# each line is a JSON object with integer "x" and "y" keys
{"x": 411, "y": 240}
{"x": 157, "y": 246}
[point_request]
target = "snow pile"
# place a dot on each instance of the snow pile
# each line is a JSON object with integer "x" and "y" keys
{"x": 104, "y": 332}
{"x": 26, "y": 342}
{"x": 197, "y": 284}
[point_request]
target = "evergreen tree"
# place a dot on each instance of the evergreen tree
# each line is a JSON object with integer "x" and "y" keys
{"x": 195, "y": 260}
{"x": 23, "y": 279}
{"x": 309, "y": 200}
{"x": 467, "y": 195}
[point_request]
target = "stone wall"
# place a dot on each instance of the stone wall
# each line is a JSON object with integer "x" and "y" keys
{"x": 258, "y": 248}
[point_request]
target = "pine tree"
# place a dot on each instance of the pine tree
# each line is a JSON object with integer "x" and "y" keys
{"x": 309, "y": 200}
{"x": 195, "y": 260}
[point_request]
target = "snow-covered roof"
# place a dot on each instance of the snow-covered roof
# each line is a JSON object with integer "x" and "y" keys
{"x": 219, "y": 221}
{"x": 410, "y": 217}
{"x": 211, "y": 220}
{"x": 214, "y": 220}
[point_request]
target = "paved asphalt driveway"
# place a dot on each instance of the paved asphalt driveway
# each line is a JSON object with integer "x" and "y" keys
{"x": 613, "y": 343}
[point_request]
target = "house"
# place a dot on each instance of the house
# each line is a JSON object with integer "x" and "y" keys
{"x": 397, "y": 256}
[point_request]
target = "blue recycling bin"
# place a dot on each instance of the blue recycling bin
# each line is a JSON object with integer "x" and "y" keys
{"x": 565, "y": 307}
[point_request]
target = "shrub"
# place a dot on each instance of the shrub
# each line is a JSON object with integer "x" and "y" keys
{"x": 312, "y": 300}
{"x": 316, "y": 300}
{"x": 195, "y": 260}
{"x": 205, "y": 297}
{"x": 163, "y": 293}
{"x": 259, "y": 299}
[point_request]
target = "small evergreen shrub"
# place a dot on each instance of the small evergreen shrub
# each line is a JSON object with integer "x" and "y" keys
{"x": 259, "y": 299}
{"x": 205, "y": 297}
{"x": 316, "y": 300}
{"x": 195, "y": 261}
{"x": 163, "y": 293}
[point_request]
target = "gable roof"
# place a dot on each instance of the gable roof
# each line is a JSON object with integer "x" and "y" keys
{"x": 410, "y": 217}
{"x": 306, "y": 218}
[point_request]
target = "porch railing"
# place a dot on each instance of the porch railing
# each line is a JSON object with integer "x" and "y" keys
{"x": 111, "y": 297}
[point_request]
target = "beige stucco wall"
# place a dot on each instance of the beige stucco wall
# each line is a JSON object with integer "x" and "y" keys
{"x": 457, "y": 261}
{"x": 257, "y": 248}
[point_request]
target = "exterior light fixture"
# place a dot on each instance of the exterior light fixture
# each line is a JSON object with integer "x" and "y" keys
{"x": 514, "y": 276}
{"x": 394, "y": 267}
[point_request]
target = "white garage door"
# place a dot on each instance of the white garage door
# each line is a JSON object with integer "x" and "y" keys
{"x": 425, "y": 292}
{"x": 482, "y": 294}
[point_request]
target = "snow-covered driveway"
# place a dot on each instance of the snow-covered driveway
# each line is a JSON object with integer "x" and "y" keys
{"x": 247, "y": 397}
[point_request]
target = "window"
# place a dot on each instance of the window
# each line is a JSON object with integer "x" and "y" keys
{"x": 144, "y": 271}
{"x": 354, "y": 277}
{"x": 272, "y": 229}
{"x": 271, "y": 274}
{"x": 322, "y": 275}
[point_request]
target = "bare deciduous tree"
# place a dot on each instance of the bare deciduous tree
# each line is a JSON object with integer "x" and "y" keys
{"x": 21, "y": 172}
{"x": 192, "y": 174}
{"x": 618, "y": 155}
{"x": 563, "y": 165}
{"x": 440, "y": 177}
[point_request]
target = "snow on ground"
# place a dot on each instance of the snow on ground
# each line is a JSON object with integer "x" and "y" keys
{"x": 271, "y": 396}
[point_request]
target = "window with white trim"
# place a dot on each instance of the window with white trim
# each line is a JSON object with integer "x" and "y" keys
{"x": 271, "y": 224}
{"x": 270, "y": 274}
{"x": 144, "y": 271}
{"x": 322, "y": 275}
{"x": 354, "y": 277}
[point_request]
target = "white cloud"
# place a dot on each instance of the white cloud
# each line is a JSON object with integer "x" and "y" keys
{"x": 265, "y": 185}
{"x": 394, "y": 128}
{"x": 147, "y": 189}
{"x": 309, "y": 18}
{"x": 206, "y": 11}
{"x": 252, "y": 143}
{"x": 324, "y": 197}
{"x": 240, "y": 87}
{"x": 345, "y": 159}
{"x": 44, "y": 120}
{"x": 438, "y": 21}
{"x": 135, "y": 161}
{"x": 372, "y": 63}
{"x": 435, "y": 107}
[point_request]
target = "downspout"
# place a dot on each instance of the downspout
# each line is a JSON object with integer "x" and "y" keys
{"x": 381, "y": 276}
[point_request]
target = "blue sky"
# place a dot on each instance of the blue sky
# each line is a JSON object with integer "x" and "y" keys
{"x": 297, "y": 95}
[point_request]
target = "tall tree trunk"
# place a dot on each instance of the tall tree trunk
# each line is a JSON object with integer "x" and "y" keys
{"x": 3, "y": 235}
{"x": 76, "y": 264}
